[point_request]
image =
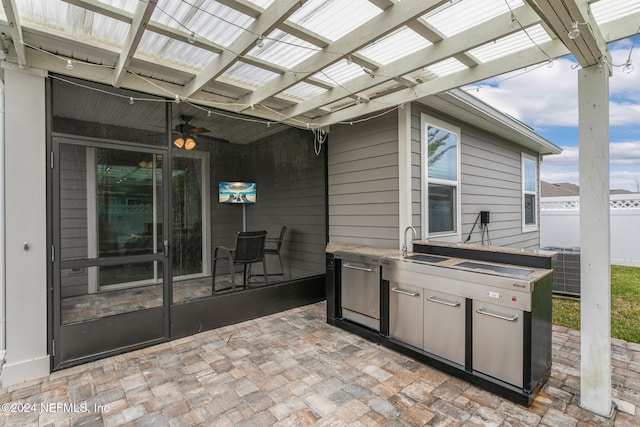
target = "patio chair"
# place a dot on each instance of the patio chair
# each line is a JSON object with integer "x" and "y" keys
{"x": 248, "y": 250}
{"x": 273, "y": 245}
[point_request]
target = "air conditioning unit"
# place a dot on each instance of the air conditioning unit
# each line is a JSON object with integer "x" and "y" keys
{"x": 566, "y": 274}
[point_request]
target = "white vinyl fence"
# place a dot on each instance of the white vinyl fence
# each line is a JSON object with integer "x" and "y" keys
{"x": 560, "y": 226}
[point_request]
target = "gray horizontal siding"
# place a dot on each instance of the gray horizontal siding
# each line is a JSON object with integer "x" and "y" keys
{"x": 291, "y": 191}
{"x": 363, "y": 191}
{"x": 363, "y": 181}
{"x": 490, "y": 181}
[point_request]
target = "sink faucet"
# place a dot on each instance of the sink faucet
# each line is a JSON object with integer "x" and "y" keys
{"x": 404, "y": 248}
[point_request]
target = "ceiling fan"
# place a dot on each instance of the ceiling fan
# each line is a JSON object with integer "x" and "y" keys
{"x": 187, "y": 133}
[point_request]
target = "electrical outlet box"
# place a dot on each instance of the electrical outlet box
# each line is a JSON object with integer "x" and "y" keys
{"x": 484, "y": 217}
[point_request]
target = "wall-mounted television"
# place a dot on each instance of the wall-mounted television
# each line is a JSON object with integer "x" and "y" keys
{"x": 237, "y": 192}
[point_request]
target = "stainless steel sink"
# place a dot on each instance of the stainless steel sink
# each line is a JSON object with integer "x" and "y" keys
{"x": 496, "y": 268}
{"x": 425, "y": 258}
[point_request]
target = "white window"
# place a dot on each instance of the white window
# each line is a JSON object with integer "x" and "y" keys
{"x": 441, "y": 178}
{"x": 529, "y": 193}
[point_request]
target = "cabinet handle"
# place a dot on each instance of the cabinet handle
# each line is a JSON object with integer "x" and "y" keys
{"x": 403, "y": 292}
{"x": 441, "y": 301}
{"x": 488, "y": 313}
{"x": 353, "y": 267}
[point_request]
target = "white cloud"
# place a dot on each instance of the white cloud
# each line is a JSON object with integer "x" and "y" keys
{"x": 541, "y": 97}
{"x": 624, "y": 161}
{"x": 545, "y": 97}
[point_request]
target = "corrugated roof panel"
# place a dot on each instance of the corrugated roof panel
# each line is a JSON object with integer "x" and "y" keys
{"x": 511, "y": 44}
{"x": 448, "y": 66}
{"x": 333, "y": 19}
{"x": 212, "y": 21}
{"x": 339, "y": 73}
{"x": 249, "y": 75}
{"x": 609, "y": 10}
{"x": 454, "y": 18}
{"x": 396, "y": 45}
{"x": 284, "y": 50}
{"x": 304, "y": 91}
{"x": 46, "y": 13}
{"x": 73, "y": 20}
{"x": 158, "y": 46}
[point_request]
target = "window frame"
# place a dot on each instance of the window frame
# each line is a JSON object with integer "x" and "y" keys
{"x": 530, "y": 227}
{"x": 427, "y": 121}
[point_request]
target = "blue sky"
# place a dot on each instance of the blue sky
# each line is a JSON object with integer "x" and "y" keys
{"x": 546, "y": 98}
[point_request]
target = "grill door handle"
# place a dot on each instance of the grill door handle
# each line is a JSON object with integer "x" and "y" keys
{"x": 403, "y": 292}
{"x": 488, "y": 313}
{"x": 355, "y": 267}
{"x": 445, "y": 302}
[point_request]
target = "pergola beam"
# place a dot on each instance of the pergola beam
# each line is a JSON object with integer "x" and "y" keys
{"x": 589, "y": 48}
{"x": 140, "y": 21}
{"x": 483, "y": 71}
{"x": 384, "y": 23}
{"x": 15, "y": 29}
{"x": 490, "y": 30}
{"x": 276, "y": 14}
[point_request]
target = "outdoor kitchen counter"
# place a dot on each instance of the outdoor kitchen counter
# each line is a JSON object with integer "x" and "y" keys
{"x": 451, "y": 261}
{"x": 333, "y": 247}
{"x": 480, "y": 313}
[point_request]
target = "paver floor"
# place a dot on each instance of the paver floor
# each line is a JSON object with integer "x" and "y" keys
{"x": 293, "y": 369}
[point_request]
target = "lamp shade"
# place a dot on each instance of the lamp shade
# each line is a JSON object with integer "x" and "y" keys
{"x": 189, "y": 143}
{"x": 179, "y": 142}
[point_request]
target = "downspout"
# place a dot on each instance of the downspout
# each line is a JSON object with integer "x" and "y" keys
{"x": 3, "y": 311}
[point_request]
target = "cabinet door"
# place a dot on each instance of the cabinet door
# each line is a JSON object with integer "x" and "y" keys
{"x": 405, "y": 313}
{"x": 498, "y": 342}
{"x": 444, "y": 325}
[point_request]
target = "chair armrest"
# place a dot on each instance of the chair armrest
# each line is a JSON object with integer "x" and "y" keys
{"x": 224, "y": 248}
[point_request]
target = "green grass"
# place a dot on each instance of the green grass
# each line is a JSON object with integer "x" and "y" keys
{"x": 625, "y": 305}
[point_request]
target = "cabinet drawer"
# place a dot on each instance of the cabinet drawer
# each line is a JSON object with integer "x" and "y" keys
{"x": 405, "y": 313}
{"x": 444, "y": 325}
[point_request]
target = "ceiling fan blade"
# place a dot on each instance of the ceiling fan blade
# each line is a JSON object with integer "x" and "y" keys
{"x": 195, "y": 131}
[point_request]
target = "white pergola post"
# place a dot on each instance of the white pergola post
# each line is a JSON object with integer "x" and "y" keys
{"x": 595, "y": 253}
{"x": 404, "y": 173}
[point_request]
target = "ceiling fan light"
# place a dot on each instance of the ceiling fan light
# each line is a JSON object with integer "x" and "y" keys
{"x": 190, "y": 143}
{"x": 179, "y": 142}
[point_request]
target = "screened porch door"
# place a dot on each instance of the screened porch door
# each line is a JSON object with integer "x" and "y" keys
{"x": 110, "y": 246}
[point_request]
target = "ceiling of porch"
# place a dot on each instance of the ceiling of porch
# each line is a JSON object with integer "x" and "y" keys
{"x": 306, "y": 63}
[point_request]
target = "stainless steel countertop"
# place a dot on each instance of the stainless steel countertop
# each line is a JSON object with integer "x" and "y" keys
{"x": 450, "y": 262}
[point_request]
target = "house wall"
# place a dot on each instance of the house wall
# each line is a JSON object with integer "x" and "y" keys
{"x": 364, "y": 183}
{"x": 491, "y": 181}
{"x": 291, "y": 192}
{"x": 26, "y": 250}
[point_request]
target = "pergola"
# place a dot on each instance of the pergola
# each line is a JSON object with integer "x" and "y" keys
{"x": 317, "y": 63}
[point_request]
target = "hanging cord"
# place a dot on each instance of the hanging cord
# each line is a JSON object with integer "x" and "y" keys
{"x": 485, "y": 231}
{"x": 472, "y": 228}
{"x": 319, "y": 138}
